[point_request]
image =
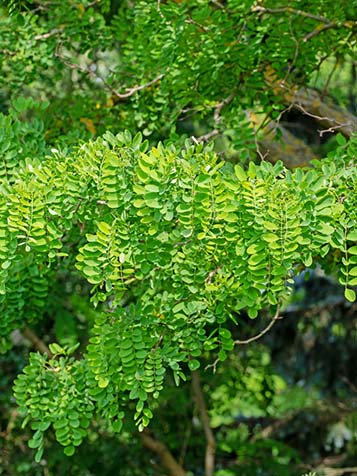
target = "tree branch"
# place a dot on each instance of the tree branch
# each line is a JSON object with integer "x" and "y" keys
{"x": 218, "y": 4}
{"x": 53, "y": 32}
{"x": 5, "y": 51}
{"x": 320, "y": 29}
{"x": 168, "y": 461}
{"x": 216, "y": 118}
{"x": 129, "y": 91}
{"x": 211, "y": 442}
{"x": 37, "y": 343}
{"x": 276, "y": 317}
{"x": 266, "y": 329}
{"x": 337, "y": 471}
{"x": 310, "y": 103}
{"x": 301, "y": 13}
{"x": 220, "y": 106}
{"x": 205, "y": 137}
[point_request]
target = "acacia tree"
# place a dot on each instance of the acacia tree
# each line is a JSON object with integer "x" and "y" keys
{"x": 110, "y": 192}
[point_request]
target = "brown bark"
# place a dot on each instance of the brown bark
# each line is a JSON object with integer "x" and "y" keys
{"x": 211, "y": 442}
{"x": 167, "y": 460}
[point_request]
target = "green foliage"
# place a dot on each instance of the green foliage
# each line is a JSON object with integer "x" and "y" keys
{"x": 142, "y": 259}
{"x": 56, "y": 391}
{"x": 93, "y": 66}
{"x": 174, "y": 231}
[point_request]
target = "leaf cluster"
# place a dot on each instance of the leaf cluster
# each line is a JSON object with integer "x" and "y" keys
{"x": 188, "y": 240}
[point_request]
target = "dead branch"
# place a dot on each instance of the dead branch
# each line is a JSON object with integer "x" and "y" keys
{"x": 167, "y": 459}
{"x": 211, "y": 442}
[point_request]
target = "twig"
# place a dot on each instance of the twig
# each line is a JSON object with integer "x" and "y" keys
{"x": 199, "y": 25}
{"x": 10, "y": 424}
{"x": 270, "y": 429}
{"x": 314, "y": 116}
{"x": 129, "y": 91}
{"x": 258, "y": 8}
{"x": 5, "y": 51}
{"x": 257, "y": 147}
{"x": 328, "y": 26}
{"x": 261, "y": 333}
{"x": 167, "y": 459}
{"x": 350, "y": 384}
{"x": 44, "y": 36}
{"x": 218, "y": 4}
{"x": 216, "y": 118}
{"x": 256, "y": 130}
{"x": 213, "y": 365}
{"x": 158, "y": 8}
{"x": 323, "y": 118}
{"x": 296, "y": 54}
{"x": 220, "y": 106}
{"x": 332, "y": 129}
{"x": 205, "y": 137}
{"x": 319, "y": 30}
{"x": 211, "y": 274}
{"x": 329, "y": 77}
{"x": 275, "y": 318}
{"x": 211, "y": 442}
